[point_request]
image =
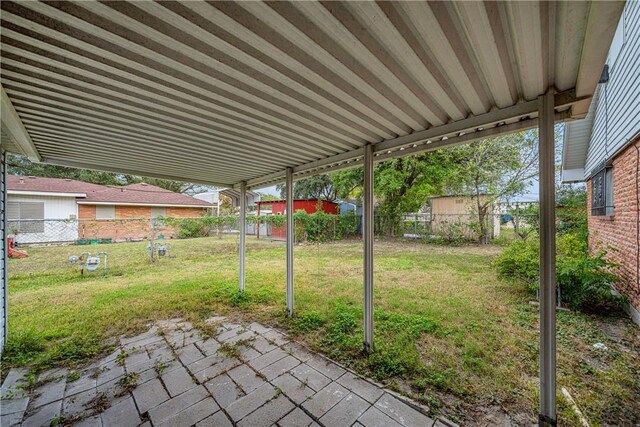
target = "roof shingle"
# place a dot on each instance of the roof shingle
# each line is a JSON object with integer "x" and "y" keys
{"x": 143, "y": 194}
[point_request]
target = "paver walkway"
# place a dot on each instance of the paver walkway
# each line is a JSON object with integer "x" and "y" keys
{"x": 174, "y": 375}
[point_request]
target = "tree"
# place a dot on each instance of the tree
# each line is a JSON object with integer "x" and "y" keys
{"x": 268, "y": 197}
{"x": 400, "y": 185}
{"x": 496, "y": 168}
{"x": 316, "y": 187}
{"x": 19, "y": 165}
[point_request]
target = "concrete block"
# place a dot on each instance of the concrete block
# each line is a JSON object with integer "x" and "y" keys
{"x": 252, "y": 401}
{"x": 401, "y": 412}
{"x": 321, "y": 402}
{"x": 310, "y": 377}
{"x": 178, "y": 381}
{"x": 149, "y": 395}
{"x": 346, "y": 412}
{"x": 272, "y": 411}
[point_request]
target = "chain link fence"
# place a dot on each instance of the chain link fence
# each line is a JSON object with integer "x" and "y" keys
{"x": 316, "y": 227}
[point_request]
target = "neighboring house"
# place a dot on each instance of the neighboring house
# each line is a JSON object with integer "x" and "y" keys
{"x": 43, "y": 210}
{"x": 459, "y": 215}
{"x": 604, "y": 150}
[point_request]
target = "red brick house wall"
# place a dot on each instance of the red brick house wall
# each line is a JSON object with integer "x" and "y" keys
{"x": 618, "y": 233}
{"x": 132, "y": 222}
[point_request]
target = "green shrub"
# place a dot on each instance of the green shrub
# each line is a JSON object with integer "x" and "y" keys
{"x": 520, "y": 260}
{"x": 585, "y": 283}
{"x": 584, "y": 280}
{"x": 190, "y": 228}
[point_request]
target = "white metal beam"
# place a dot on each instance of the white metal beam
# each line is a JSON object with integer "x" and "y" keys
{"x": 243, "y": 232}
{"x": 290, "y": 237}
{"x": 511, "y": 119}
{"x": 367, "y": 236}
{"x": 116, "y": 169}
{"x": 17, "y": 132}
{"x": 547, "y": 415}
{"x": 5, "y": 249}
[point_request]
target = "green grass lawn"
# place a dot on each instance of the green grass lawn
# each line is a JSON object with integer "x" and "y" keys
{"x": 448, "y": 332}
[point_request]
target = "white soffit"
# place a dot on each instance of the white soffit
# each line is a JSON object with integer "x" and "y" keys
{"x": 575, "y": 146}
{"x": 223, "y": 92}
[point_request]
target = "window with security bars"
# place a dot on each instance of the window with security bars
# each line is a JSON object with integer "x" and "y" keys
{"x": 602, "y": 192}
{"x": 25, "y": 217}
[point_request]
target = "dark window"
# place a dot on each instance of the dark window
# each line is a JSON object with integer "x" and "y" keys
{"x": 602, "y": 192}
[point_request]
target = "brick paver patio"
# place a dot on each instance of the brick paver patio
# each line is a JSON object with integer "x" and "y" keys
{"x": 171, "y": 375}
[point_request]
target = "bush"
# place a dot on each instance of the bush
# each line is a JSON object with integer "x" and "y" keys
{"x": 520, "y": 260}
{"x": 584, "y": 281}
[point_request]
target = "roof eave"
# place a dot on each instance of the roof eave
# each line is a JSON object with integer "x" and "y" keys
{"x": 14, "y": 127}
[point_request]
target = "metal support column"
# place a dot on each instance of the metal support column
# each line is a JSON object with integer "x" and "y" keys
{"x": 5, "y": 251}
{"x": 547, "y": 416}
{"x": 243, "y": 231}
{"x": 367, "y": 236}
{"x": 290, "y": 237}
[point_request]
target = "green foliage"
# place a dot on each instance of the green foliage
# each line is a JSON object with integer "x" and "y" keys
{"x": 321, "y": 227}
{"x": 309, "y": 321}
{"x": 203, "y": 226}
{"x": 520, "y": 260}
{"x": 584, "y": 280}
{"x": 449, "y": 233}
{"x": 500, "y": 167}
{"x": 239, "y": 299}
{"x": 586, "y": 284}
{"x": 22, "y": 348}
{"x": 315, "y": 187}
{"x": 571, "y": 210}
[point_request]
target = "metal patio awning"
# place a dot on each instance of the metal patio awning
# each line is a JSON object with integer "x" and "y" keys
{"x": 225, "y": 92}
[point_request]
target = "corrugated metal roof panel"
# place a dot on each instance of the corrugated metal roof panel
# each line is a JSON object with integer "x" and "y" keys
{"x": 223, "y": 92}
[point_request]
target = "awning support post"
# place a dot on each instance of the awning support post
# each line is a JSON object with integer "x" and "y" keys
{"x": 367, "y": 236}
{"x": 547, "y": 416}
{"x": 290, "y": 241}
{"x": 5, "y": 249}
{"x": 243, "y": 232}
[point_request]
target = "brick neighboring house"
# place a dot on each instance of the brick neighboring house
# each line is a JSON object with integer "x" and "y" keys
{"x": 55, "y": 210}
{"x": 604, "y": 150}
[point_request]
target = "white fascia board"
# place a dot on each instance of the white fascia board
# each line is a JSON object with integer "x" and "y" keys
{"x": 572, "y": 175}
{"x": 44, "y": 193}
{"x": 17, "y": 132}
{"x": 153, "y": 205}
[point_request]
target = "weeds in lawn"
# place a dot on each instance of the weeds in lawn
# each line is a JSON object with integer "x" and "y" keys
{"x": 127, "y": 383}
{"x": 233, "y": 350}
{"x": 229, "y": 350}
{"x": 121, "y": 357}
{"x": 73, "y": 375}
{"x": 160, "y": 366}
{"x": 57, "y": 421}
{"x": 99, "y": 404}
{"x": 307, "y": 322}
{"x": 240, "y": 299}
{"x": 207, "y": 329}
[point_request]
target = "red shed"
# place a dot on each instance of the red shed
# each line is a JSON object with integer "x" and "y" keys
{"x": 279, "y": 207}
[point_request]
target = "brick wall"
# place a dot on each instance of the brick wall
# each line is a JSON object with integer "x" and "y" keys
{"x": 132, "y": 222}
{"x": 618, "y": 233}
